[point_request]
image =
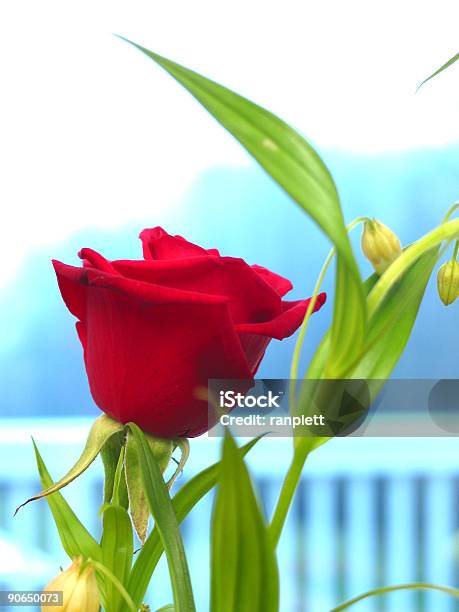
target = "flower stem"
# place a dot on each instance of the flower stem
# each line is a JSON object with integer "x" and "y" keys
{"x": 304, "y": 326}
{"x": 400, "y": 587}
{"x": 289, "y": 486}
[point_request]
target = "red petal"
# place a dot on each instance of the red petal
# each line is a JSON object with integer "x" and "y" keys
{"x": 72, "y": 285}
{"x": 158, "y": 244}
{"x": 279, "y": 283}
{"x": 146, "y": 361}
{"x": 255, "y": 337}
{"x": 251, "y": 299}
{"x": 286, "y": 323}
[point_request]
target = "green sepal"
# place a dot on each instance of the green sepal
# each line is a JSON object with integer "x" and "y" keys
{"x": 101, "y": 431}
{"x": 162, "y": 450}
{"x": 184, "y": 446}
{"x": 110, "y": 454}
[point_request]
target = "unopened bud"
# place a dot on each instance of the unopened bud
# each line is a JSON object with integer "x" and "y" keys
{"x": 79, "y": 589}
{"x": 380, "y": 245}
{"x": 448, "y": 282}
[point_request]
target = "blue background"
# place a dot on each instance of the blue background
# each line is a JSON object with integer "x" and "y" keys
{"x": 369, "y": 512}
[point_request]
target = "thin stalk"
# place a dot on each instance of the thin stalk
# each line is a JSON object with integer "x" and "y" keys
{"x": 100, "y": 567}
{"x": 416, "y": 586}
{"x": 304, "y": 326}
{"x": 289, "y": 486}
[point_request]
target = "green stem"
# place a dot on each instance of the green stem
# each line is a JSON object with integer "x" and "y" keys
{"x": 400, "y": 587}
{"x": 289, "y": 486}
{"x": 116, "y": 583}
{"x": 451, "y": 211}
{"x": 456, "y": 250}
{"x": 304, "y": 326}
{"x": 305, "y": 445}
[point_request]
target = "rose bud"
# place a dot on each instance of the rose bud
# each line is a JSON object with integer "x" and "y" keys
{"x": 79, "y": 589}
{"x": 448, "y": 282}
{"x": 155, "y": 331}
{"x": 380, "y": 245}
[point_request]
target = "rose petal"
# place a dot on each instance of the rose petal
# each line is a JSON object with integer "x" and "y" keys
{"x": 147, "y": 362}
{"x": 286, "y": 323}
{"x": 158, "y": 244}
{"x": 279, "y": 283}
{"x": 251, "y": 299}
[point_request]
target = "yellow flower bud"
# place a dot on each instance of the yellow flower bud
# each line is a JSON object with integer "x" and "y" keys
{"x": 380, "y": 245}
{"x": 79, "y": 588}
{"x": 448, "y": 282}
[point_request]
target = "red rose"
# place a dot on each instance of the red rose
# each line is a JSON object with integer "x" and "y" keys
{"x": 155, "y": 331}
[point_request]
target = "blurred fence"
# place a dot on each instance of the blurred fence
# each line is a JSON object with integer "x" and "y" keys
{"x": 369, "y": 512}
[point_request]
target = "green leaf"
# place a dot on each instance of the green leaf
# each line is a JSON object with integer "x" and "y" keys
{"x": 166, "y": 521}
{"x": 291, "y": 161}
{"x": 391, "y": 325}
{"x": 183, "y": 502}
{"x": 117, "y": 551}
{"x": 389, "y": 330}
{"x": 244, "y": 576}
{"x": 110, "y": 454}
{"x": 446, "y": 65}
{"x": 101, "y": 431}
{"x": 76, "y": 539}
{"x": 168, "y": 608}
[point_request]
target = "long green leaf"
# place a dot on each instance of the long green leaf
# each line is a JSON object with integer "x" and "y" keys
{"x": 117, "y": 551}
{"x": 184, "y": 501}
{"x": 391, "y": 325}
{"x": 446, "y": 65}
{"x": 389, "y": 331}
{"x": 244, "y": 575}
{"x": 291, "y": 161}
{"x": 76, "y": 539}
{"x": 166, "y": 521}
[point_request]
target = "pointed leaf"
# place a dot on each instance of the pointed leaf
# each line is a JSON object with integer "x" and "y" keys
{"x": 183, "y": 502}
{"x": 291, "y": 161}
{"x": 117, "y": 550}
{"x": 166, "y": 521}
{"x": 446, "y": 65}
{"x": 76, "y": 539}
{"x": 244, "y": 574}
{"x": 391, "y": 325}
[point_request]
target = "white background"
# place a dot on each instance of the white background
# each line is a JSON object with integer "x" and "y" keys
{"x": 93, "y": 134}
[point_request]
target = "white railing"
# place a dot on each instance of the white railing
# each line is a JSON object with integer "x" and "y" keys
{"x": 368, "y": 512}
